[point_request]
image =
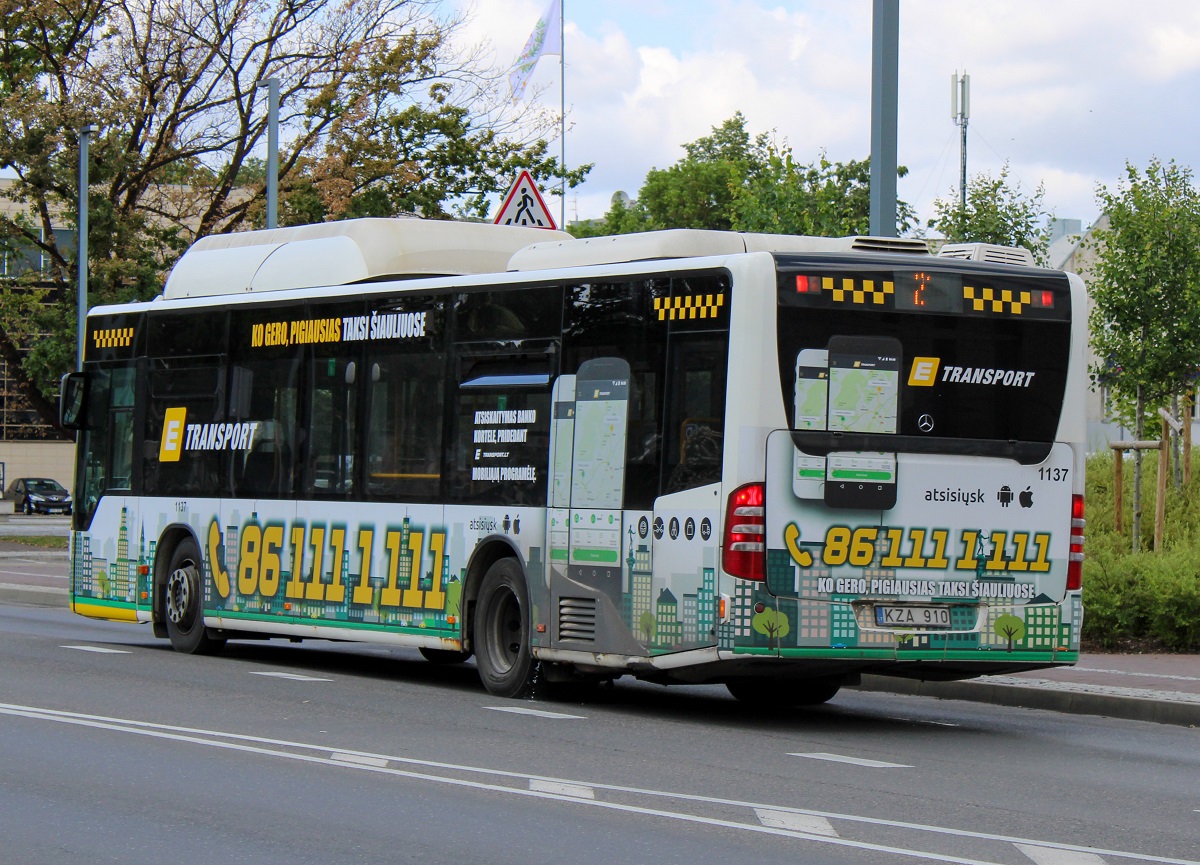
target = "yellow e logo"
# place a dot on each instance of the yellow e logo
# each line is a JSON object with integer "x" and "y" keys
{"x": 172, "y": 436}
{"x": 924, "y": 371}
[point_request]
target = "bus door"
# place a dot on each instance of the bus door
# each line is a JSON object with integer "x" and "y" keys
{"x": 588, "y": 442}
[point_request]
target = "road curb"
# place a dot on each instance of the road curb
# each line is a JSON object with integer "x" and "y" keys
{"x": 1042, "y": 697}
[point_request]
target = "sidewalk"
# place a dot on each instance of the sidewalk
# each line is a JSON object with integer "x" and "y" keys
{"x": 1160, "y": 688}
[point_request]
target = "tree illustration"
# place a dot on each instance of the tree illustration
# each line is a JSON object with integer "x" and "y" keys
{"x": 1010, "y": 628}
{"x": 772, "y": 624}
{"x": 647, "y": 625}
{"x": 453, "y": 597}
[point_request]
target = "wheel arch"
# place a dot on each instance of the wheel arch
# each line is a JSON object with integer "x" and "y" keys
{"x": 172, "y": 536}
{"x": 487, "y": 552}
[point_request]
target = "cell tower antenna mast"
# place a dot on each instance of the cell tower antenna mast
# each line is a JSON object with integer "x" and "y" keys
{"x": 960, "y": 111}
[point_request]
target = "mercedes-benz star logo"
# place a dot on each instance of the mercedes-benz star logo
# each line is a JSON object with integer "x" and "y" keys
{"x": 925, "y": 423}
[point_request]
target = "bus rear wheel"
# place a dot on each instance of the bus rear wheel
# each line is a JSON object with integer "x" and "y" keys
{"x": 770, "y": 693}
{"x": 183, "y": 604}
{"x": 501, "y": 631}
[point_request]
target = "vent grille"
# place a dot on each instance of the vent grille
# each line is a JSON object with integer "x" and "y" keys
{"x": 989, "y": 252}
{"x": 890, "y": 244}
{"x": 577, "y": 619}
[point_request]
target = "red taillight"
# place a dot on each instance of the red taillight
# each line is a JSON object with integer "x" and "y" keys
{"x": 744, "y": 549}
{"x": 1075, "y": 559}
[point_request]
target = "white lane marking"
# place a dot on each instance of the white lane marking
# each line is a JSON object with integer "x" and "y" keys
{"x": 538, "y": 713}
{"x": 99, "y": 650}
{"x": 1050, "y": 856}
{"x": 295, "y": 677}
{"x": 190, "y": 734}
{"x": 854, "y": 761}
{"x": 924, "y": 721}
{"x": 577, "y": 791}
{"x": 359, "y": 759}
{"x": 806, "y": 823}
{"x": 142, "y": 729}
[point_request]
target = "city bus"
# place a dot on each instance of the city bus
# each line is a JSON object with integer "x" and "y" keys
{"x": 771, "y": 462}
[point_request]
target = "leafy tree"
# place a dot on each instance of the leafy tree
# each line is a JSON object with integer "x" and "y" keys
{"x": 648, "y": 624}
{"x": 996, "y": 212}
{"x": 823, "y": 199}
{"x": 728, "y": 181}
{"x": 771, "y": 623}
{"x": 380, "y": 114}
{"x": 1010, "y": 628}
{"x": 1145, "y": 291}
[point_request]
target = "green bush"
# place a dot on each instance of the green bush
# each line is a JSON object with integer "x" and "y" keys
{"x": 1149, "y": 600}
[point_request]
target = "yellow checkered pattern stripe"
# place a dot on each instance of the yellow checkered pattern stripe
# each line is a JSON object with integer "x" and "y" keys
{"x": 113, "y": 337}
{"x": 990, "y": 300}
{"x": 693, "y": 306}
{"x": 868, "y": 291}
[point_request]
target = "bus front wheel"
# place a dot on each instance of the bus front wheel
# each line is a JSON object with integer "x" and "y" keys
{"x": 183, "y": 604}
{"x": 501, "y": 631}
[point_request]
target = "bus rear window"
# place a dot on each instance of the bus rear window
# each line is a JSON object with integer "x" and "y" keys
{"x": 947, "y": 351}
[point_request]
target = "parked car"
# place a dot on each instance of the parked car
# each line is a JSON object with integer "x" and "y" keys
{"x": 39, "y": 495}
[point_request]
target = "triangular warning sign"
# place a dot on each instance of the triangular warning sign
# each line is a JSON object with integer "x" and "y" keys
{"x": 524, "y": 206}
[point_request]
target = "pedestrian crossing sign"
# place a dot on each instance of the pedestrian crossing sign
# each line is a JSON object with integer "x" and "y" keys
{"x": 524, "y": 206}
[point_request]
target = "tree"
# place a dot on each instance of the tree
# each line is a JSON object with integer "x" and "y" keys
{"x": 996, "y": 212}
{"x": 729, "y": 182}
{"x": 1010, "y": 628}
{"x": 647, "y": 624}
{"x": 823, "y": 199}
{"x": 380, "y": 114}
{"x": 1145, "y": 291}
{"x": 772, "y": 624}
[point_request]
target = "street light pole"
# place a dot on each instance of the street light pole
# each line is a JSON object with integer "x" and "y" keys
{"x": 272, "y": 85}
{"x": 82, "y": 252}
{"x": 885, "y": 58}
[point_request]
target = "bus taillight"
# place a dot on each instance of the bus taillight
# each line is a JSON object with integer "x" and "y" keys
{"x": 1075, "y": 559}
{"x": 744, "y": 551}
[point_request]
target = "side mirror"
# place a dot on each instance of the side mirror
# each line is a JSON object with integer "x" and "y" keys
{"x": 72, "y": 400}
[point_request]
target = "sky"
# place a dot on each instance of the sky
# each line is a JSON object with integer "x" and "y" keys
{"x": 1065, "y": 91}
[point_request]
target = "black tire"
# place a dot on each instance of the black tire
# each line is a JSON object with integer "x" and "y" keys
{"x": 443, "y": 656}
{"x": 501, "y": 632}
{"x": 772, "y": 694}
{"x": 183, "y": 604}
{"x": 27, "y": 508}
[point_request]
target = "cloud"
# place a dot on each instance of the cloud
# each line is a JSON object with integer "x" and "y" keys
{"x": 1065, "y": 95}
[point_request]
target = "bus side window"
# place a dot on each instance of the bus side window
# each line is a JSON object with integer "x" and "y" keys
{"x": 695, "y": 423}
{"x": 192, "y": 385}
{"x": 404, "y": 438}
{"x": 332, "y": 428}
{"x": 265, "y": 394}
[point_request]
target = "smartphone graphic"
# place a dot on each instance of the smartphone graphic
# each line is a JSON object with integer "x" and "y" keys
{"x": 811, "y": 401}
{"x": 864, "y": 397}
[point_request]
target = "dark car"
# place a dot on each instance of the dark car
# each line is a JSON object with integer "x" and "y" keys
{"x": 39, "y": 495}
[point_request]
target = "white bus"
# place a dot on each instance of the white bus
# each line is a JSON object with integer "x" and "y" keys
{"x": 766, "y": 461}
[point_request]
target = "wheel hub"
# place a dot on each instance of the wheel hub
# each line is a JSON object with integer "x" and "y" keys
{"x": 179, "y": 594}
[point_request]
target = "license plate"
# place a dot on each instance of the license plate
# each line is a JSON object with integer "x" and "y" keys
{"x": 912, "y": 616}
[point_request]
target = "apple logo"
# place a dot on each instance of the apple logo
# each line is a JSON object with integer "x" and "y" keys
{"x": 1026, "y": 498}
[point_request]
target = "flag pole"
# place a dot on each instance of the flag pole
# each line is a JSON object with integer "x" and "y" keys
{"x": 562, "y": 114}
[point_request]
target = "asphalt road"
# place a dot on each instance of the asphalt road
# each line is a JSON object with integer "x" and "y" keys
{"x": 114, "y": 748}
